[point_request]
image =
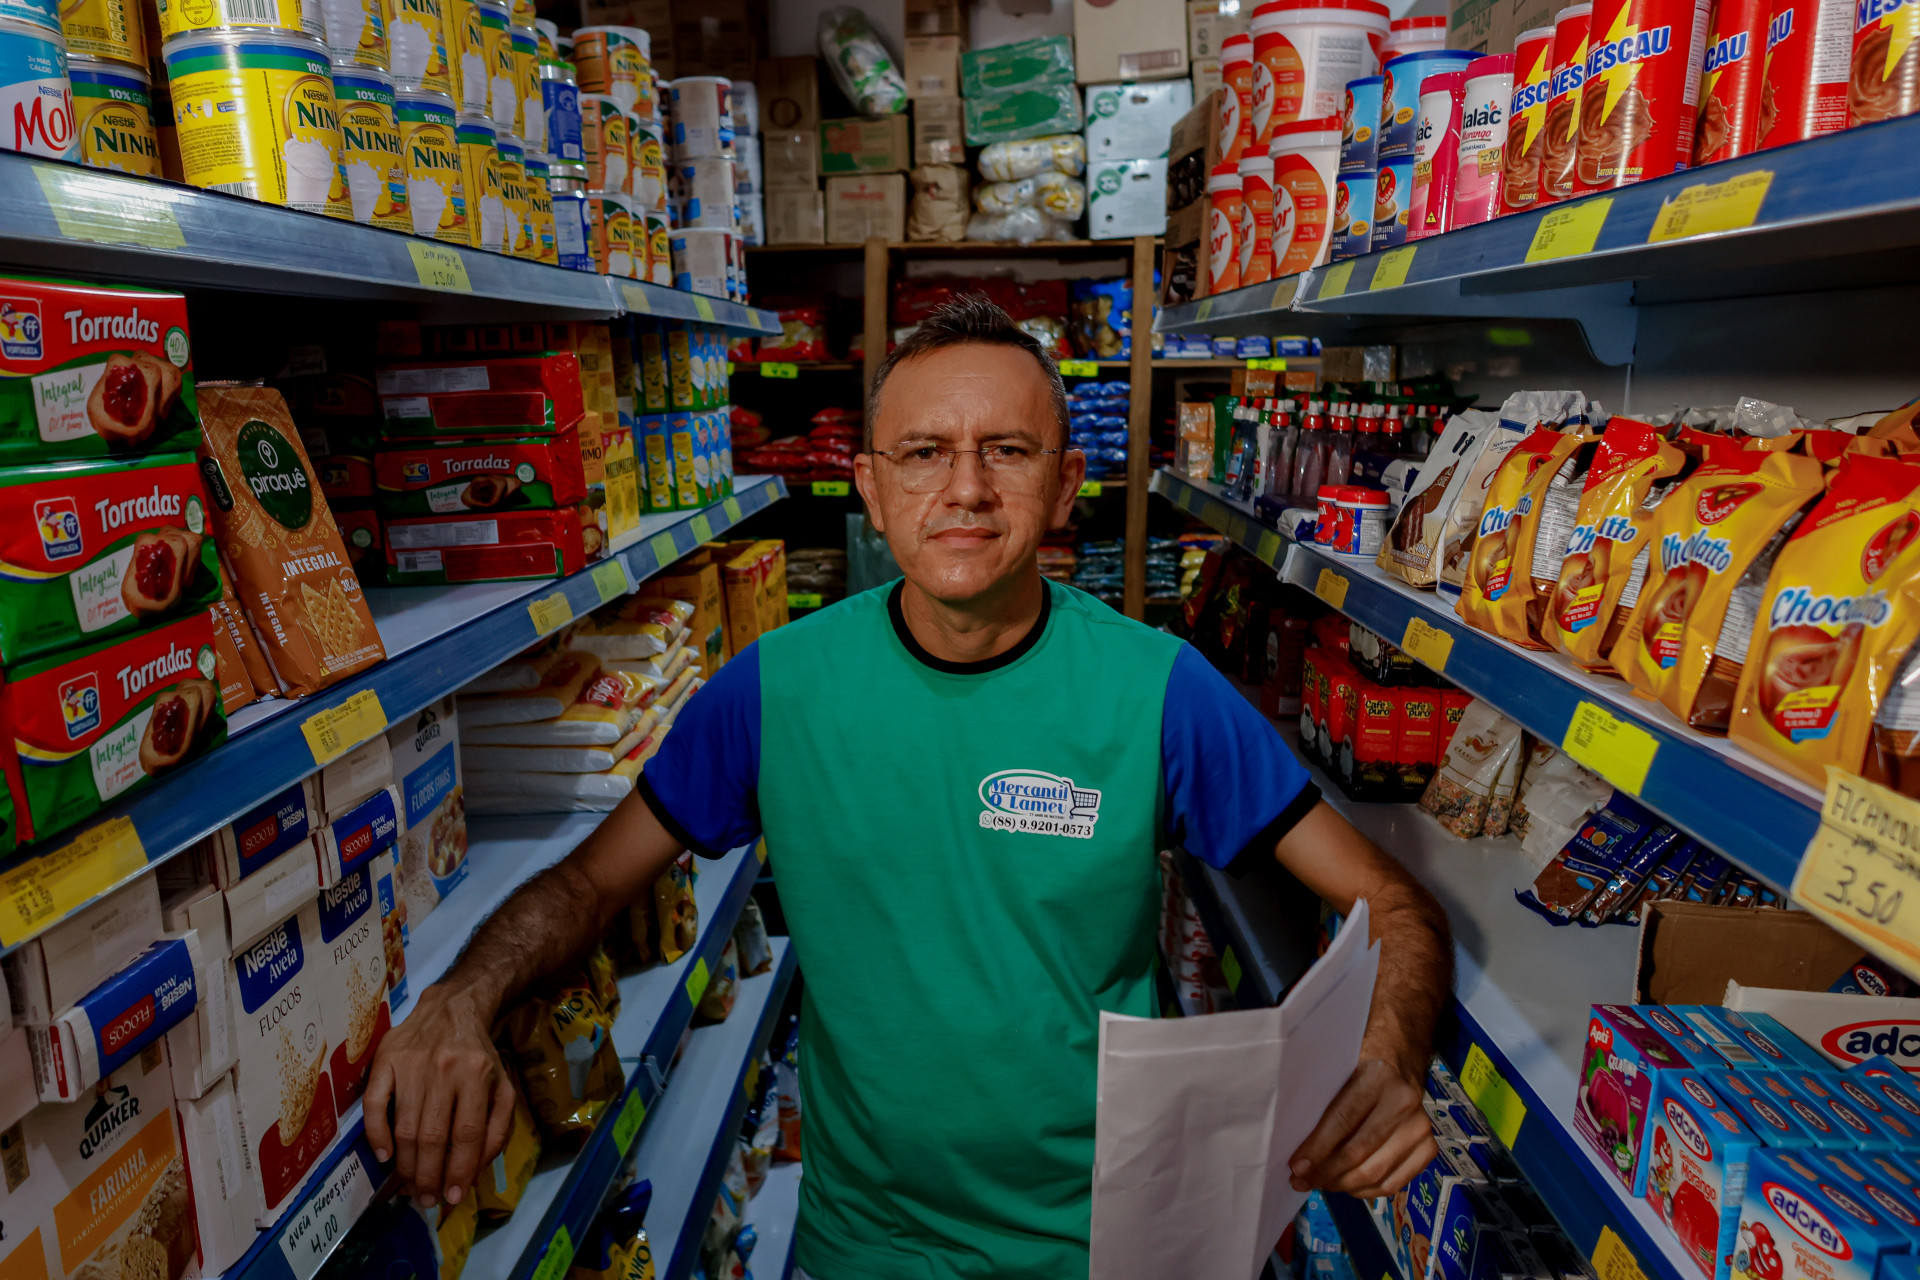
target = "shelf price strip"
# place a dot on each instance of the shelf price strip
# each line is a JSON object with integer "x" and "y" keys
{"x": 332, "y": 733}
{"x": 1861, "y": 865}
{"x": 632, "y": 1113}
{"x": 1569, "y": 232}
{"x": 1733, "y": 205}
{"x": 44, "y": 889}
{"x": 555, "y": 1262}
{"x": 93, "y": 209}
{"x": 1335, "y": 281}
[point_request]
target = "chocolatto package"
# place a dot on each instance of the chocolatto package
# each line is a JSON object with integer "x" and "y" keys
{"x": 1840, "y": 613}
{"x": 92, "y": 371}
{"x": 1705, "y": 537}
{"x": 90, "y": 725}
{"x": 500, "y": 473}
{"x": 1499, "y": 581}
{"x": 93, "y": 550}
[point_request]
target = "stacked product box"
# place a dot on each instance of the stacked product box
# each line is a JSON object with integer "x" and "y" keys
{"x": 683, "y": 429}
{"x": 1128, "y": 130}
{"x": 1375, "y": 719}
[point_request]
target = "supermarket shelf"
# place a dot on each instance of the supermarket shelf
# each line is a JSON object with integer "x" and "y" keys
{"x": 64, "y": 218}
{"x": 1362, "y": 1238}
{"x": 656, "y": 1006}
{"x": 1756, "y": 814}
{"x": 437, "y": 639}
{"x": 1838, "y": 212}
{"x": 959, "y": 248}
{"x": 752, "y": 367}
{"x": 1207, "y": 503}
{"x": 705, "y": 1100}
{"x": 772, "y": 1213}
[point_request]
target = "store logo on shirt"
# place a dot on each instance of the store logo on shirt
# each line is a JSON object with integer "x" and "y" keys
{"x": 1036, "y": 803}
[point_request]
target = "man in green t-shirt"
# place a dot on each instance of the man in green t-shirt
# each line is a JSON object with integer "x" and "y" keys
{"x": 963, "y": 780}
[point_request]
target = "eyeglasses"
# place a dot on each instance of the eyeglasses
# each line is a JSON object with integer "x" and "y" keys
{"x": 1009, "y": 468}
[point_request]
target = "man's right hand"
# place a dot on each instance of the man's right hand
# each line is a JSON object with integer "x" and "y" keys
{"x": 451, "y": 1096}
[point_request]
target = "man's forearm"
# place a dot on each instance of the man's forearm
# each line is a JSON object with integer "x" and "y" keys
{"x": 548, "y": 922}
{"x": 1416, "y": 974}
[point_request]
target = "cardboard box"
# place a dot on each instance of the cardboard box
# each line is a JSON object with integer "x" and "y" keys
{"x": 1470, "y": 24}
{"x": 1193, "y": 148}
{"x": 354, "y": 777}
{"x": 108, "y": 1026}
{"x": 1689, "y": 952}
{"x": 865, "y": 144}
{"x": 17, "y": 1092}
{"x": 796, "y": 217}
{"x": 1208, "y": 28}
{"x": 696, "y": 579}
{"x": 264, "y": 899}
{"x": 1126, "y": 198}
{"x": 789, "y": 90}
{"x": 1129, "y": 40}
{"x": 937, "y": 18}
{"x": 932, "y": 66}
{"x": 1206, "y": 77}
{"x": 1183, "y": 255}
{"x": 939, "y": 132}
{"x": 48, "y": 974}
{"x": 433, "y": 820}
{"x": 655, "y": 17}
{"x": 354, "y": 973}
{"x": 264, "y": 832}
{"x": 792, "y": 161}
{"x": 870, "y": 205}
{"x": 718, "y": 38}
{"x": 1511, "y": 17}
{"x": 225, "y": 1198}
{"x": 1135, "y": 121}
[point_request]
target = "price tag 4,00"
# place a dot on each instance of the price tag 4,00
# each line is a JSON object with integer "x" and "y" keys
{"x": 1861, "y": 865}
{"x": 1427, "y": 643}
{"x": 1331, "y": 587}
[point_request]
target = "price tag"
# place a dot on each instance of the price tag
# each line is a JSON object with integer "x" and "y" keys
{"x": 1335, "y": 281}
{"x": 1274, "y": 365}
{"x": 1270, "y": 548}
{"x": 1569, "y": 231}
{"x": 1079, "y": 369}
{"x": 1206, "y": 309}
{"x": 1391, "y": 271}
{"x": 1230, "y": 969}
{"x": 1237, "y": 529}
{"x": 1284, "y": 291}
{"x": 636, "y": 298}
{"x": 663, "y": 549}
{"x": 832, "y": 488}
{"x": 1331, "y": 587}
{"x": 1711, "y": 206}
{"x": 760, "y": 851}
{"x": 1090, "y": 489}
{"x": 316, "y": 1227}
{"x": 558, "y": 1259}
{"x": 776, "y": 369}
{"x": 1492, "y": 1094}
{"x": 102, "y": 210}
{"x": 45, "y": 888}
{"x": 632, "y": 1112}
{"x": 549, "y": 613}
{"x": 1616, "y": 749}
{"x": 610, "y": 580}
{"x": 334, "y": 732}
{"x": 439, "y": 267}
{"x": 703, "y": 307}
{"x": 732, "y": 507}
{"x": 730, "y": 368}
{"x": 1863, "y": 861}
{"x": 702, "y": 528}
{"x": 803, "y": 600}
{"x": 697, "y": 981}
{"x": 1427, "y": 644}
{"x": 1614, "y": 1260}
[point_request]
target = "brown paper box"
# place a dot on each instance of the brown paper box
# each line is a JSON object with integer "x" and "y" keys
{"x": 791, "y": 159}
{"x": 939, "y": 132}
{"x": 796, "y": 217}
{"x": 932, "y": 66}
{"x": 1688, "y": 952}
{"x": 789, "y": 91}
{"x": 865, "y": 144}
{"x": 937, "y": 18}
{"x": 870, "y": 205}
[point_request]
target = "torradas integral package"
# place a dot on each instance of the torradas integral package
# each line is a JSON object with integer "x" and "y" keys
{"x": 291, "y": 569}
{"x": 1839, "y": 615}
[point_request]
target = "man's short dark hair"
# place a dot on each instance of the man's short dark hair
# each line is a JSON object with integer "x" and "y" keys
{"x": 971, "y": 318}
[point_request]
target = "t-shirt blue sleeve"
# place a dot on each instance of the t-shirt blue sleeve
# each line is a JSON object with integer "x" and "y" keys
{"x": 1233, "y": 786}
{"x": 703, "y": 781}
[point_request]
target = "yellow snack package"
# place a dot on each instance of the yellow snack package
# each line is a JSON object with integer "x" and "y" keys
{"x": 563, "y": 1048}
{"x": 1607, "y": 550}
{"x": 679, "y": 916}
{"x": 454, "y": 1227}
{"x": 602, "y": 978}
{"x": 501, "y": 1184}
{"x": 1704, "y": 539}
{"x": 1499, "y": 582}
{"x": 1840, "y": 614}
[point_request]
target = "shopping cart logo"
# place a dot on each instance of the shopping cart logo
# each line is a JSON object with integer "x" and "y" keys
{"x": 1030, "y": 802}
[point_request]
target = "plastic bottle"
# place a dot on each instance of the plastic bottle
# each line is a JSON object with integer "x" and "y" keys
{"x": 1340, "y": 447}
{"x": 1310, "y": 457}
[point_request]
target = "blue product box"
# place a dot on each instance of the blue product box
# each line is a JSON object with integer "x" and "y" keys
{"x": 1772, "y": 1123}
{"x": 1798, "y": 1223}
{"x": 1683, "y": 1035}
{"x": 106, "y": 1028}
{"x": 264, "y": 832}
{"x": 1885, "y": 1077}
{"x": 1889, "y": 1196}
{"x": 1436, "y": 1205}
{"x": 1694, "y": 1166}
{"x": 370, "y": 827}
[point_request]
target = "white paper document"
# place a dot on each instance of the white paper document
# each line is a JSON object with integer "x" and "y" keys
{"x": 1198, "y": 1117}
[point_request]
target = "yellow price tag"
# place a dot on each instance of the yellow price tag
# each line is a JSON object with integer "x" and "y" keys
{"x": 558, "y": 1259}
{"x": 334, "y": 732}
{"x": 1428, "y": 644}
{"x": 1331, "y": 587}
{"x": 43, "y": 889}
{"x": 439, "y": 266}
{"x": 1863, "y": 861}
{"x": 1618, "y": 750}
{"x": 832, "y": 488}
{"x": 103, "y": 210}
{"x": 1711, "y": 206}
{"x": 663, "y": 549}
{"x": 697, "y": 981}
{"x": 1270, "y": 548}
{"x": 1206, "y": 309}
{"x": 1230, "y": 969}
{"x": 1391, "y": 271}
{"x": 1274, "y": 365}
{"x": 702, "y": 528}
{"x": 1569, "y": 231}
{"x": 1491, "y": 1093}
{"x": 1237, "y": 529}
{"x": 609, "y": 580}
{"x": 549, "y": 613}
{"x": 777, "y": 369}
{"x": 703, "y": 307}
{"x": 1335, "y": 281}
{"x": 1614, "y": 1260}
{"x": 1090, "y": 489}
{"x": 1284, "y": 291}
{"x": 632, "y": 1112}
{"x": 760, "y": 851}
{"x": 636, "y": 298}
{"x": 732, "y": 507}
{"x": 729, "y": 368}
{"x": 803, "y": 600}
{"x": 1079, "y": 369}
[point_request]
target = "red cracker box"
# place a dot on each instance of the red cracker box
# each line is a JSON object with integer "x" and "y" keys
{"x": 1729, "y": 123}
{"x": 514, "y": 394}
{"x": 484, "y": 548}
{"x": 1369, "y": 764}
{"x": 1339, "y": 684}
{"x": 1641, "y": 95}
{"x": 458, "y": 476}
{"x": 1624, "y": 1052}
{"x": 1421, "y": 717}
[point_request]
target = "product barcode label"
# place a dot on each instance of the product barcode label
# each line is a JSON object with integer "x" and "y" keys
{"x": 251, "y": 190}
{"x": 418, "y": 561}
{"x": 253, "y": 13}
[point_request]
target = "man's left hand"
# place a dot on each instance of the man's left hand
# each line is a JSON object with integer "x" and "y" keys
{"x": 1372, "y": 1140}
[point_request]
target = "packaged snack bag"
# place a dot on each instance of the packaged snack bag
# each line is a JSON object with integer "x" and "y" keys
{"x": 1412, "y": 547}
{"x": 1705, "y": 536}
{"x": 562, "y": 1046}
{"x": 603, "y": 979}
{"x": 290, "y": 566}
{"x": 679, "y": 915}
{"x": 1463, "y": 510}
{"x": 252, "y": 655}
{"x": 230, "y": 673}
{"x": 498, "y": 1190}
{"x": 1840, "y": 612}
{"x": 1607, "y": 547}
{"x": 1499, "y": 578}
{"x": 1481, "y": 762}
{"x": 455, "y": 1226}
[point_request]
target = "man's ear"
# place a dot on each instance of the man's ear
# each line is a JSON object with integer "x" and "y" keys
{"x": 1073, "y": 471}
{"x": 863, "y": 480}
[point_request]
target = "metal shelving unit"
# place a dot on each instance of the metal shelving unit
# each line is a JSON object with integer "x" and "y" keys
{"x": 437, "y": 639}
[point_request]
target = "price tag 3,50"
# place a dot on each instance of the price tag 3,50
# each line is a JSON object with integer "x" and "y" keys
{"x": 1861, "y": 870}
{"x": 319, "y": 1225}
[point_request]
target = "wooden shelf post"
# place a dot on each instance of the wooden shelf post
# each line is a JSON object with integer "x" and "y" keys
{"x": 1139, "y": 428}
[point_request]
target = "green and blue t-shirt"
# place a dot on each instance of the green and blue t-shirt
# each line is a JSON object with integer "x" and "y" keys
{"x": 967, "y": 857}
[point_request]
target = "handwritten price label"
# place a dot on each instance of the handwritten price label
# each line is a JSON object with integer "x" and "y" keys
{"x": 1614, "y": 1260}
{"x": 1271, "y": 364}
{"x": 803, "y": 600}
{"x": 558, "y": 1258}
{"x": 831, "y": 488}
{"x": 1618, "y": 750}
{"x": 1091, "y": 489}
{"x": 1335, "y": 281}
{"x": 1079, "y": 369}
{"x": 703, "y": 308}
{"x": 332, "y": 733}
{"x": 1391, "y": 271}
{"x": 1861, "y": 870}
{"x": 775, "y": 369}
{"x": 663, "y": 549}
{"x": 1732, "y": 205}
{"x": 697, "y": 981}
{"x": 632, "y": 1113}
{"x": 439, "y": 267}
{"x": 1492, "y": 1094}
{"x": 1331, "y": 587}
{"x": 1428, "y": 644}
{"x": 549, "y": 613}
{"x": 732, "y": 507}
{"x": 610, "y": 580}
{"x": 317, "y": 1227}
{"x": 636, "y": 298}
{"x": 45, "y": 888}
{"x": 1270, "y": 548}
{"x": 1569, "y": 232}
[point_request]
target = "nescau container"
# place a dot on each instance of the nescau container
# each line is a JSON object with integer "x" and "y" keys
{"x": 430, "y": 147}
{"x": 113, "y": 111}
{"x": 36, "y": 101}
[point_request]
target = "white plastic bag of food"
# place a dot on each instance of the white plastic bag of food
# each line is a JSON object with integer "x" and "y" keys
{"x": 1012, "y": 161}
{"x": 1060, "y": 195}
{"x": 861, "y": 65}
{"x": 1002, "y": 198}
{"x": 1022, "y": 226}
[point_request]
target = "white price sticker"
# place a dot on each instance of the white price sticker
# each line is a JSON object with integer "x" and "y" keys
{"x": 319, "y": 1225}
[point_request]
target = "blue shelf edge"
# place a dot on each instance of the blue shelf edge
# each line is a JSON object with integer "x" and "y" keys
{"x": 1361, "y": 1235}
{"x": 270, "y": 757}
